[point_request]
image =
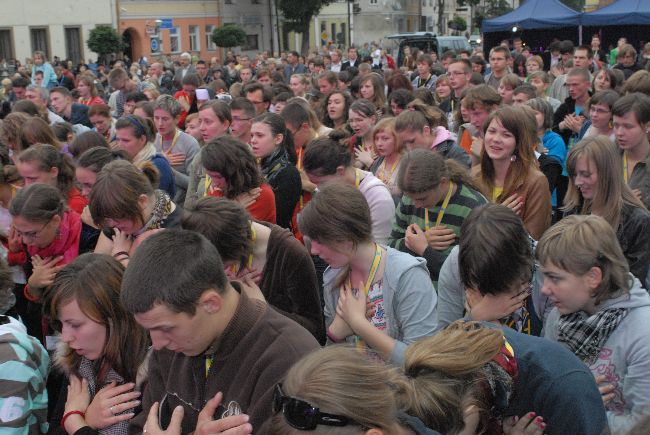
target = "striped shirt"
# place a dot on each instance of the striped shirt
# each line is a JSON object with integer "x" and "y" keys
{"x": 460, "y": 205}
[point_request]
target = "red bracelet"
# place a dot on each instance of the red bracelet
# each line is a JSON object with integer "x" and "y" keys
{"x": 332, "y": 337}
{"x": 28, "y": 296}
{"x": 68, "y": 414}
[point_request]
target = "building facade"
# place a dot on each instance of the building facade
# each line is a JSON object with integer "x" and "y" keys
{"x": 58, "y": 28}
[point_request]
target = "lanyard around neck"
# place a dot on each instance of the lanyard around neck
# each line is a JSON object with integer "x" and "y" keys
{"x": 443, "y": 208}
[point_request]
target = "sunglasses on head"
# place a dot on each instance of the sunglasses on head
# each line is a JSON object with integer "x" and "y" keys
{"x": 301, "y": 415}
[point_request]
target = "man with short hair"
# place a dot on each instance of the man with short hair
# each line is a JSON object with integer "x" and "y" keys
{"x": 243, "y": 112}
{"x": 63, "y": 104}
{"x": 202, "y": 70}
{"x": 40, "y": 96}
{"x": 425, "y": 78}
{"x": 569, "y": 117}
{"x": 245, "y": 75}
{"x": 353, "y": 59}
{"x": 118, "y": 79}
{"x": 208, "y": 336}
{"x": 523, "y": 93}
{"x": 18, "y": 89}
{"x": 185, "y": 60}
{"x": 336, "y": 64}
{"x": 259, "y": 95}
{"x": 293, "y": 66}
{"x": 160, "y": 78}
{"x": 459, "y": 72}
{"x": 582, "y": 58}
{"x": 499, "y": 57}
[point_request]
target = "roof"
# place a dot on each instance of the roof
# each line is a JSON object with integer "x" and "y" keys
{"x": 536, "y": 14}
{"x": 621, "y": 12}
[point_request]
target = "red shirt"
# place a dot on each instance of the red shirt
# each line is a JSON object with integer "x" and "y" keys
{"x": 263, "y": 209}
{"x": 76, "y": 202}
{"x": 92, "y": 101}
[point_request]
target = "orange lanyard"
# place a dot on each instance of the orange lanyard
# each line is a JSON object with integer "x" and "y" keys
{"x": 171, "y": 147}
{"x": 625, "y": 166}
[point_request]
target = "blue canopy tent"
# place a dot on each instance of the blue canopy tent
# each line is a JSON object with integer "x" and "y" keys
{"x": 534, "y": 14}
{"x": 537, "y": 22}
{"x": 622, "y": 12}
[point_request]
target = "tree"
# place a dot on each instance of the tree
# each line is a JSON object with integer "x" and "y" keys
{"x": 298, "y": 16}
{"x": 458, "y": 23}
{"x": 229, "y": 35}
{"x": 496, "y": 8}
{"x": 576, "y": 5}
{"x": 104, "y": 40}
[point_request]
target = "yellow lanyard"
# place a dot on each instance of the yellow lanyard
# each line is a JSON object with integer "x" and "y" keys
{"x": 208, "y": 184}
{"x": 249, "y": 262}
{"x": 625, "y": 166}
{"x": 366, "y": 287}
{"x": 443, "y": 208}
{"x": 171, "y": 147}
{"x": 387, "y": 177}
{"x": 357, "y": 178}
{"x": 300, "y": 159}
{"x": 208, "y": 364}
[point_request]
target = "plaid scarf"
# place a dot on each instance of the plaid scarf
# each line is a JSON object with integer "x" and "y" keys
{"x": 585, "y": 335}
{"x": 87, "y": 370}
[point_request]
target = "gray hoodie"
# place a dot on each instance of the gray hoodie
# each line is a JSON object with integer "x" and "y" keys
{"x": 409, "y": 300}
{"x": 624, "y": 359}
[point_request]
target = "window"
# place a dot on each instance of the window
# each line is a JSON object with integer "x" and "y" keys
{"x": 373, "y": 2}
{"x": 174, "y": 40}
{"x": 251, "y": 43}
{"x": 208, "y": 37}
{"x": 256, "y": 2}
{"x": 227, "y": 2}
{"x": 195, "y": 38}
{"x": 39, "y": 40}
{"x": 6, "y": 45}
{"x": 73, "y": 44}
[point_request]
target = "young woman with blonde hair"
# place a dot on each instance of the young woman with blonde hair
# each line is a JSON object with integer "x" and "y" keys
{"x": 337, "y": 390}
{"x": 389, "y": 151}
{"x": 101, "y": 348}
{"x": 600, "y": 312}
{"x": 597, "y": 186}
{"x": 362, "y": 272}
{"x": 478, "y": 378}
{"x": 87, "y": 90}
{"x": 508, "y": 173}
{"x": 423, "y": 126}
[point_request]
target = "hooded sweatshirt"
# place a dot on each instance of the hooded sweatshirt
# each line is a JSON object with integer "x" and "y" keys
{"x": 624, "y": 359}
{"x": 23, "y": 375}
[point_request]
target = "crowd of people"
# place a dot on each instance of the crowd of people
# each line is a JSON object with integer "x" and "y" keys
{"x": 330, "y": 243}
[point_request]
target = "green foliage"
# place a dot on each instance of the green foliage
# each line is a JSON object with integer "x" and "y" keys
{"x": 458, "y": 23}
{"x": 104, "y": 40}
{"x": 495, "y": 8}
{"x": 229, "y": 35}
{"x": 298, "y": 14}
{"x": 576, "y": 5}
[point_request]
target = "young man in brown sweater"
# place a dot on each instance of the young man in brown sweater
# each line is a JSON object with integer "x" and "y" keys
{"x": 209, "y": 339}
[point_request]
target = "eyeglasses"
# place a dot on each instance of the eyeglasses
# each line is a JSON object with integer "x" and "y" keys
{"x": 301, "y": 415}
{"x": 599, "y": 111}
{"x": 30, "y": 234}
{"x": 237, "y": 118}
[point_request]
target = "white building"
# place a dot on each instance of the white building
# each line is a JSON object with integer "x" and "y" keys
{"x": 57, "y": 27}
